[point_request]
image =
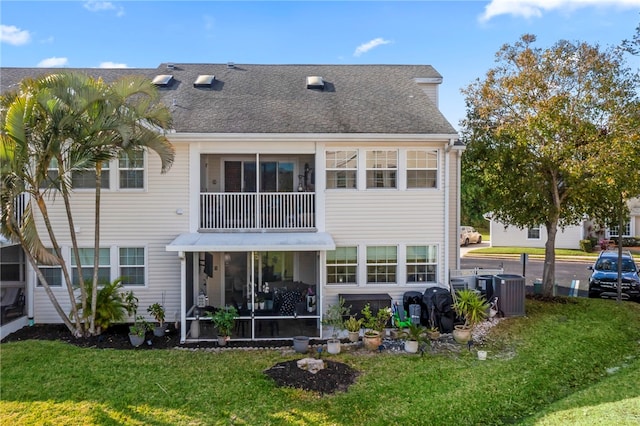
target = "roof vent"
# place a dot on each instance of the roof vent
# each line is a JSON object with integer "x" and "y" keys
{"x": 315, "y": 82}
{"x": 231, "y": 65}
{"x": 204, "y": 80}
{"x": 163, "y": 80}
{"x": 171, "y": 66}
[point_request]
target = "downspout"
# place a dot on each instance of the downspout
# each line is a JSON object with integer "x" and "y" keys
{"x": 447, "y": 203}
{"x": 183, "y": 297}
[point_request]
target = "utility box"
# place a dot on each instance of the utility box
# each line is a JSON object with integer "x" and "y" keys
{"x": 510, "y": 290}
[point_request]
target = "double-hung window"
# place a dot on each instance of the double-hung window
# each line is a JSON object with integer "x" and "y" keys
{"x": 131, "y": 170}
{"x": 52, "y": 273}
{"x": 382, "y": 264}
{"x": 52, "y": 175}
{"x": 382, "y": 169}
{"x": 422, "y": 169}
{"x": 132, "y": 266}
{"x": 342, "y": 265}
{"x": 86, "y": 261}
{"x": 533, "y": 233}
{"x": 87, "y": 178}
{"x": 342, "y": 169}
{"x": 626, "y": 231}
{"x": 422, "y": 264}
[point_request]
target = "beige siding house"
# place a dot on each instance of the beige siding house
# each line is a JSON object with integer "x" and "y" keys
{"x": 292, "y": 184}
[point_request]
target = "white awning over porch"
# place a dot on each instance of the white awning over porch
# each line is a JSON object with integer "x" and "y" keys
{"x": 252, "y": 241}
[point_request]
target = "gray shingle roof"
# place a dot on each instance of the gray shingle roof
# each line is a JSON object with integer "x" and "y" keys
{"x": 274, "y": 98}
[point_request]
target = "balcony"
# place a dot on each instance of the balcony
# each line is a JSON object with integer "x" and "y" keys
{"x": 257, "y": 211}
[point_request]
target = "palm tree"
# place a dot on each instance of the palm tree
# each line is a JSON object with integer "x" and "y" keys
{"x": 78, "y": 123}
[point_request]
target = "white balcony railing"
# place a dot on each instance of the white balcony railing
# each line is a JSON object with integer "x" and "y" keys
{"x": 266, "y": 210}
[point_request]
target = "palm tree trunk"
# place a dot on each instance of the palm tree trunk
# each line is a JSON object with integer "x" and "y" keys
{"x": 96, "y": 251}
{"x": 65, "y": 272}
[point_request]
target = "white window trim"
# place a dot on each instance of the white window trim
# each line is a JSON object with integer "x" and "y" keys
{"x": 357, "y": 265}
{"x": 363, "y": 163}
{"x": 115, "y": 178}
{"x": 356, "y": 169}
{"x": 539, "y": 228}
{"x": 115, "y": 253}
{"x": 404, "y": 158}
{"x": 405, "y": 264}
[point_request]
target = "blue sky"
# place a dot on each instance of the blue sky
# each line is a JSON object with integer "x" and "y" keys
{"x": 458, "y": 38}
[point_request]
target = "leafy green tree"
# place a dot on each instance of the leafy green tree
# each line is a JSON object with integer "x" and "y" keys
{"x": 546, "y": 129}
{"x": 75, "y": 123}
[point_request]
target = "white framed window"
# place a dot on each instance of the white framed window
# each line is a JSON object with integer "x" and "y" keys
{"x": 52, "y": 273}
{"x": 626, "y": 231}
{"x": 131, "y": 170}
{"x": 382, "y": 169}
{"x": 86, "y": 179}
{"x": 422, "y": 264}
{"x": 422, "y": 169}
{"x": 52, "y": 175}
{"x": 86, "y": 261}
{"x": 341, "y": 169}
{"x": 533, "y": 233}
{"x": 132, "y": 266}
{"x": 342, "y": 265}
{"x": 382, "y": 264}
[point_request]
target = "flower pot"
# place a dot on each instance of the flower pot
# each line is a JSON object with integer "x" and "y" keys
{"x": 222, "y": 340}
{"x": 372, "y": 340}
{"x": 461, "y": 334}
{"x": 433, "y": 335}
{"x": 301, "y": 344}
{"x": 354, "y": 336}
{"x": 333, "y": 346}
{"x": 158, "y": 331}
{"x": 411, "y": 346}
{"x": 136, "y": 340}
{"x": 482, "y": 355}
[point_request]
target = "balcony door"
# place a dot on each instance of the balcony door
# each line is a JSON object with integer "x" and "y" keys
{"x": 273, "y": 176}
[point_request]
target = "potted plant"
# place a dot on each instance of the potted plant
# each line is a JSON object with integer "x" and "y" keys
{"x": 472, "y": 307}
{"x": 433, "y": 333}
{"x": 260, "y": 302}
{"x": 138, "y": 331}
{"x": 374, "y": 326}
{"x": 224, "y": 320}
{"x": 157, "y": 311}
{"x": 334, "y": 319}
{"x": 353, "y": 327}
{"x": 414, "y": 335}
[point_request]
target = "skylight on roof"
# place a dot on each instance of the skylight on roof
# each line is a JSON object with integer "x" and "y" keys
{"x": 315, "y": 82}
{"x": 163, "y": 80}
{"x": 204, "y": 80}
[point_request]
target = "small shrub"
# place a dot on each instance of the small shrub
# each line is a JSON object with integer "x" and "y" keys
{"x": 586, "y": 246}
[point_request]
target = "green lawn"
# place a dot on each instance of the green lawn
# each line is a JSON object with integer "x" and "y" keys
{"x": 573, "y": 363}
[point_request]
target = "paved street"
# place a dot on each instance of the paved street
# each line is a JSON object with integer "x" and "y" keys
{"x": 566, "y": 272}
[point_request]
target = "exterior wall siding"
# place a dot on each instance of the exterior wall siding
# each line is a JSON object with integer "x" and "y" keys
{"x": 512, "y": 236}
{"x": 146, "y": 218}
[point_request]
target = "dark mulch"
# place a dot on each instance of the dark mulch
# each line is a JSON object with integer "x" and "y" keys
{"x": 334, "y": 377}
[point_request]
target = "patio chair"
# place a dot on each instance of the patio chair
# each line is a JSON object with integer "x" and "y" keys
{"x": 12, "y": 303}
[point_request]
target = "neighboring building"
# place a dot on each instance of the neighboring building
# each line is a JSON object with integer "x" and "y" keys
{"x": 567, "y": 238}
{"x": 291, "y": 184}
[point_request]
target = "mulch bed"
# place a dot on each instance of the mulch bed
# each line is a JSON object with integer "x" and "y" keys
{"x": 334, "y": 377}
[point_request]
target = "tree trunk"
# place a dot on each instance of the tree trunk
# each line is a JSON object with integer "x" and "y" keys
{"x": 96, "y": 251}
{"x": 549, "y": 269}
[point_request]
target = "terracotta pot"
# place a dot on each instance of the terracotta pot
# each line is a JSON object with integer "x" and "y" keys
{"x": 433, "y": 335}
{"x": 461, "y": 334}
{"x": 372, "y": 340}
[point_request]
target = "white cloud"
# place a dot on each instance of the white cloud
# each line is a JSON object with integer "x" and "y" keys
{"x": 14, "y": 35}
{"x": 365, "y": 47}
{"x": 100, "y": 6}
{"x": 53, "y": 62}
{"x": 535, "y": 8}
{"x": 112, "y": 65}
